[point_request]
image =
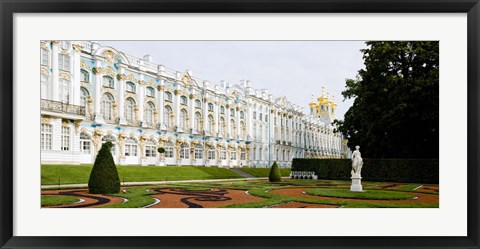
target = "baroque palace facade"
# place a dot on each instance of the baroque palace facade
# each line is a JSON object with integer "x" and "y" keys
{"x": 92, "y": 94}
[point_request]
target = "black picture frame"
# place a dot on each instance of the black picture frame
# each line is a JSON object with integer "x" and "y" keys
{"x": 10, "y": 7}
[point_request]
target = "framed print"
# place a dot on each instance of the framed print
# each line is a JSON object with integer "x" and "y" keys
{"x": 265, "y": 124}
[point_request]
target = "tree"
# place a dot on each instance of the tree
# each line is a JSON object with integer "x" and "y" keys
{"x": 104, "y": 177}
{"x": 275, "y": 175}
{"x": 395, "y": 111}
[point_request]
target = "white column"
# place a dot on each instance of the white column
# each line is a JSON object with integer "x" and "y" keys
{"x": 237, "y": 121}
{"x": 55, "y": 88}
{"x": 229, "y": 126}
{"x": 98, "y": 117}
{"x": 216, "y": 113}
{"x": 205, "y": 112}
{"x": 160, "y": 104}
{"x": 177, "y": 108}
{"x": 191, "y": 107}
{"x": 75, "y": 76}
{"x": 121, "y": 94}
{"x": 250, "y": 123}
{"x": 141, "y": 99}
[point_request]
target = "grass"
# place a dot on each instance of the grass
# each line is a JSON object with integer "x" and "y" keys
{"x": 137, "y": 197}
{"x": 55, "y": 200}
{"x": 263, "y": 172}
{"x": 73, "y": 174}
{"x": 369, "y": 194}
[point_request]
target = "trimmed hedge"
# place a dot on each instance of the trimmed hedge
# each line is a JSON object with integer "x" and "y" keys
{"x": 275, "y": 175}
{"x": 104, "y": 176}
{"x": 381, "y": 170}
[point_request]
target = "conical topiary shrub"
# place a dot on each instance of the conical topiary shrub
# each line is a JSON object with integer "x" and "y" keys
{"x": 104, "y": 176}
{"x": 275, "y": 175}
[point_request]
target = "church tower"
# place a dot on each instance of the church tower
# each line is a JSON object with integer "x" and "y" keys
{"x": 324, "y": 107}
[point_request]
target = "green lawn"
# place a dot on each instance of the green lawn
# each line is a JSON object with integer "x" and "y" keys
{"x": 55, "y": 200}
{"x": 71, "y": 174}
{"x": 263, "y": 172}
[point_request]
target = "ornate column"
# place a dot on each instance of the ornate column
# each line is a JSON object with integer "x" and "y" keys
{"x": 205, "y": 113}
{"x": 177, "y": 106}
{"x": 191, "y": 108}
{"x": 121, "y": 77}
{"x": 227, "y": 121}
{"x": 216, "y": 114}
{"x": 160, "y": 104}
{"x": 76, "y": 74}
{"x": 55, "y": 83}
{"x": 141, "y": 99}
{"x": 237, "y": 121}
{"x": 98, "y": 72}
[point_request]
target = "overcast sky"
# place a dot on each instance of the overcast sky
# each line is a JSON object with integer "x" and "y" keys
{"x": 295, "y": 69}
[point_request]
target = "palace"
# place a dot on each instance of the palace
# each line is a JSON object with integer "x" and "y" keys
{"x": 92, "y": 94}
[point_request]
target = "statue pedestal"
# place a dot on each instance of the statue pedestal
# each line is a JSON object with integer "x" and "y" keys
{"x": 356, "y": 184}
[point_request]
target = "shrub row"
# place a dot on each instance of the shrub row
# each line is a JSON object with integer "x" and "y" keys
{"x": 381, "y": 170}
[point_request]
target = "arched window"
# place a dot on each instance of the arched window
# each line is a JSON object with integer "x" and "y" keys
{"x": 84, "y": 76}
{"x": 255, "y": 131}
{"x": 64, "y": 62}
{"x": 184, "y": 151}
{"x": 83, "y": 97}
{"x": 168, "y": 96}
{"x": 183, "y": 119}
{"x": 211, "y": 123}
{"x": 112, "y": 140}
{"x": 130, "y": 147}
{"x": 198, "y": 151}
{"x": 198, "y": 104}
{"x": 233, "y": 127}
{"x": 243, "y": 129}
{"x": 44, "y": 89}
{"x": 169, "y": 150}
{"x": 130, "y": 109}
{"x": 107, "y": 106}
{"x": 183, "y": 100}
{"x": 210, "y": 107}
{"x": 198, "y": 121}
{"x": 242, "y": 114}
{"x": 131, "y": 87}
{"x": 167, "y": 116}
{"x": 150, "y": 91}
{"x": 64, "y": 90}
{"x": 254, "y": 115}
{"x": 221, "y": 126}
{"x": 107, "y": 81}
{"x": 232, "y": 112}
{"x": 149, "y": 113}
{"x": 150, "y": 149}
{"x": 255, "y": 156}
{"x": 45, "y": 57}
{"x": 222, "y": 110}
{"x": 85, "y": 143}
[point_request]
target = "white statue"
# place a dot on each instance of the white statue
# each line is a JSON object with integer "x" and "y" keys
{"x": 357, "y": 162}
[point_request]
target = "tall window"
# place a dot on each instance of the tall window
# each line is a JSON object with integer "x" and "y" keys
{"x": 150, "y": 149}
{"x": 46, "y": 137}
{"x": 266, "y": 118}
{"x": 130, "y": 87}
{"x": 168, "y": 96}
{"x": 233, "y": 127}
{"x": 149, "y": 116}
{"x": 44, "y": 86}
{"x": 85, "y": 143}
{"x": 65, "y": 138}
{"x": 210, "y": 107}
{"x": 184, "y": 151}
{"x": 84, "y": 76}
{"x": 183, "y": 100}
{"x": 221, "y": 126}
{"x": 198, "y": 151}
{"x": 198, "y": 104}
{"x": 167, "y": 116}
{"x": 83, "y": 97}
{"x": 130, "y": 147}
{"x": 150, "y": 92}
{"x": 254, "y": 153}
{"x": 243, "y": 154}
{"x": 107, "y": 81}
{"x": 107, "y": 106}
{"x": 183, "y": 119}
{"x": 130, "y": 109}
{"x": 211, "y": 123}
{"x": 110, "y": 138}
{"x": 222, "y": 110}
{"x": 45, "y": 57}
{"x": 64, "y": 90}
{"x": 242, "y": 114}
{"x": 211, "y": 153}
{"x": 232, "y": 112}
{"x": 243, "y": 129}
{"x": 223, "y": 154}
{"x": 198, "y": 121}
{"x": 233, "y": 154}
{"x": 64, "y": 62}
{"x": 168, "y": 150}
{"x": 254, "y": 115}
